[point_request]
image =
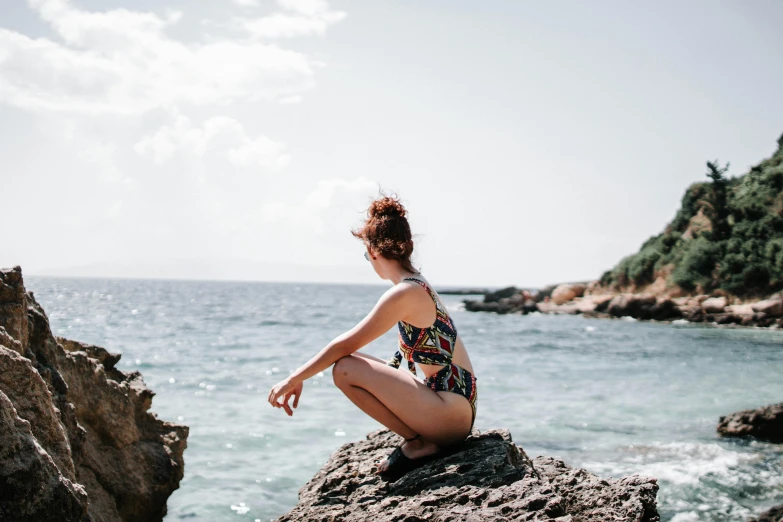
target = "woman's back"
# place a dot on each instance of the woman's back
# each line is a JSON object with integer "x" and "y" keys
{"x": 421, "y": 317}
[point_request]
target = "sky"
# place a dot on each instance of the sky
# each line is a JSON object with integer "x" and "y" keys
{"x": 532, "y": 143}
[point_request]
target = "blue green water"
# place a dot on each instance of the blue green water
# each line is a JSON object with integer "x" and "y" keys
{"x": 613, "y": 396}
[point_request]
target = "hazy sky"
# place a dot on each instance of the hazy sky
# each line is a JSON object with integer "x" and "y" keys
{"x": 532, "y": 142}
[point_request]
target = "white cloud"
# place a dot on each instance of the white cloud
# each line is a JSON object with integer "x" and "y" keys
{"x": 123, "y": 61}
{"x": 221, "y": 135}
{"x": 290, "y": 99}
{"x": 101, "y": 156}
{"x": 247, "y": 3}
{"x": 327, "y": 203}
{"x": 114, "y": 210}
{"x": 281, "y": 25}
{"x": 306, "y": 7}
{"x": 310, "y": 17}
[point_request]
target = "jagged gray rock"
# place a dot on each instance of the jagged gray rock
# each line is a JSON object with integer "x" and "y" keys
{"x": 489, "y": 479}
{"x": 73, "y": 428}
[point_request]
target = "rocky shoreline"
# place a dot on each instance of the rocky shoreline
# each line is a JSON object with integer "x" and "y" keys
{"x": 592, "y": 300}
{"x": 489, "y": 479}
{"x": 763, "y": 424}
{"x": 77, "y": 442}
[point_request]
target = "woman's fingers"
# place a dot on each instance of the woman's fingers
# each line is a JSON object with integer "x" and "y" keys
{"x": 285, "y": 405}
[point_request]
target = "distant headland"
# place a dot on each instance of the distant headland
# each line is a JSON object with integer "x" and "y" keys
{"x": 720, "y": 260}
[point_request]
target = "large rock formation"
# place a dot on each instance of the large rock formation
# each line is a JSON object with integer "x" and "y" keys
{"x": 488, "y": 480}
{"x": 762, "y": 423}
{"x": 77, "y": 441}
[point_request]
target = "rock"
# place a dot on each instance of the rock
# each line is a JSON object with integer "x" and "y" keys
{"x": 774, "y": 514}
{"x": 487, "y": 479}
{"x": 552, "y": 308}
{"x": 771, "y": 307}
{"x": 13, "y": 307}
{"x": 664, "y": 309}
{"x": 544, "y": 292}
{"x": 529, "y": 306}
{"x": 633, "y": 305}
{"x": 697, "y": 224}
{"x": 698, "y": 299}
{"x": 593, "y": 303}
{"x": 498, "y": 307}
{"x": 493, "y": 297}
{"x": 741, "y": 309}
{"x": 25, "y": 468}
{"x": 762, "y": 423}
{"x": 567, "y": 292}
{"x": 73, "y": 428}
{"x": 714, "y": 305}
{"x": 726, "y": 318}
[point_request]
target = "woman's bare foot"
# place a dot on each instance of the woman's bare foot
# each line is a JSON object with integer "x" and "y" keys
{"x": 413, "y": 449}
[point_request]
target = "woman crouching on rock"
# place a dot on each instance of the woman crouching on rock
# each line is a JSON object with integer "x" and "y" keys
{"x": 432, "y": 415}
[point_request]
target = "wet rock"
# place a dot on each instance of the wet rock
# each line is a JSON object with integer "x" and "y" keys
{"x": 664, "y": 309}
{"x": 762, "y": 423}
{"x": 487, "y": 479}
{"x": 633, "y": 305}
{"x": 73, "y": 428}
{"x": 529, "y": 306}
{"x": 493, "y": 297}
{"x": 774, "y": 514}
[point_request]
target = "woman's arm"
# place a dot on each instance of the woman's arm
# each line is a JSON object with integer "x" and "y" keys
{"x": 389, "y": 309}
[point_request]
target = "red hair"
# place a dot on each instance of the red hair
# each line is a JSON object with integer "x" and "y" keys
{"x": 387, "y": 231}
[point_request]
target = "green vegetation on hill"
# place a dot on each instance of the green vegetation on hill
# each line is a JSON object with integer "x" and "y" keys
{"x": 727, "y": 235}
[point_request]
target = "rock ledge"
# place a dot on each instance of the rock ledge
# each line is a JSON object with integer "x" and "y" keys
{"x": 489, "y": 480}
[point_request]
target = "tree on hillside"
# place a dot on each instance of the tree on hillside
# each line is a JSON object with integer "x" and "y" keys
{"x": 718, "y": 206}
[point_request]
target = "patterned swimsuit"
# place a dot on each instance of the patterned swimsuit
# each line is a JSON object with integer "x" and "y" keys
{"x": 435, "y": 345}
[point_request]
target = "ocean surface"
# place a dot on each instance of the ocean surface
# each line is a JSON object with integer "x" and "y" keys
{"x": 616, "y": 397}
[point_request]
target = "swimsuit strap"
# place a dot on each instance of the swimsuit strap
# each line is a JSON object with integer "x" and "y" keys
{"x": 426, "y": 287}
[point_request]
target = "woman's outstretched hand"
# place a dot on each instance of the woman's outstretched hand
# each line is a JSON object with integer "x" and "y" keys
{"x": 285, "y": 389}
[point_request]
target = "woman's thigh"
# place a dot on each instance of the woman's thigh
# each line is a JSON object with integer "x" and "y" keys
{"x": 442, "y": 417}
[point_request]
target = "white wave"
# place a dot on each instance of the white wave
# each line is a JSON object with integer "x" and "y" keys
{"x": 456, "y": 307}
{"x": 679, "y": 463}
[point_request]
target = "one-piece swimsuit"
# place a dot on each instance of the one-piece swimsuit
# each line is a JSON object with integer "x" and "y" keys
{"x": 435, "y": 345}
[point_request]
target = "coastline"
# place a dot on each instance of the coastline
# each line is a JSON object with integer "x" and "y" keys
{"x": 594, "y": 301}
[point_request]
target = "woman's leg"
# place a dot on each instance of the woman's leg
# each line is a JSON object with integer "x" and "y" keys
{"x": 401, "y": 402}
{"x": 368, "y": 356}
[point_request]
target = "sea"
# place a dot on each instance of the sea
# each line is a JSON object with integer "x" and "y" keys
{"x": 613, "y": 396}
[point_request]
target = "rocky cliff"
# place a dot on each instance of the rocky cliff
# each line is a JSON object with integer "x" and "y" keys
{"x": 489, "y": 479}
{"x": 727, "y": 236}
{"x": 77, "y": 440}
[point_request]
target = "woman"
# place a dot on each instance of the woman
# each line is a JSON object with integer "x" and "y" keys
{"x": 431, "y": 415}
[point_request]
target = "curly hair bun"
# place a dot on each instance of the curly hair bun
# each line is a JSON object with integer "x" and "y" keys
{"x": 387, "y": 206}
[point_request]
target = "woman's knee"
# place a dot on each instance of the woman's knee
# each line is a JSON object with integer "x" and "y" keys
{"x": 341, "y": 371}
